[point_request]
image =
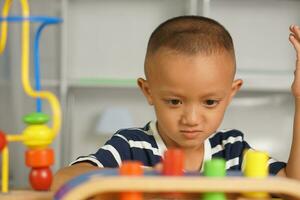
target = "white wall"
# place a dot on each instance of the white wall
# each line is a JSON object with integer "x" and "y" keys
{"x": 107, "y": 39}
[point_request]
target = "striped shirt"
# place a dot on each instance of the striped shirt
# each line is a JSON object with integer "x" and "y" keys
{"x": 146, "y": 145}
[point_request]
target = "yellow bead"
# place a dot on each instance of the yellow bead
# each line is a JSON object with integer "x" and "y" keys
{"x": 38, "y": 136}
{"x": 256, "y": 164}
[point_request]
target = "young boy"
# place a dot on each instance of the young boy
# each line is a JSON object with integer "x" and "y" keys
{"x": 189, "y": 69}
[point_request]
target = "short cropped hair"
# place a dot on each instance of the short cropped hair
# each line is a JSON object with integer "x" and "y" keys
{"x": 190, "y": 35}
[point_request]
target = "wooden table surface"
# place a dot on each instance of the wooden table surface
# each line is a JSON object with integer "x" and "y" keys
{"x": 26, "y": 195}
{"x": 33, "y": 195}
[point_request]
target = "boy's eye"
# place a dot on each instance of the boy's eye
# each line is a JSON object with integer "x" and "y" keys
{"x": 211, "y": 102}
{"x": 174, "y": 102}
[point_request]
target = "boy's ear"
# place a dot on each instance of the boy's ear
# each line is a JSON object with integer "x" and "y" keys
{"x": 236, "y": 85}
{"x": 144, "y": 86}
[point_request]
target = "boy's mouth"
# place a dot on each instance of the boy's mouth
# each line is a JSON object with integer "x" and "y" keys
{"x": 190, "y": 134}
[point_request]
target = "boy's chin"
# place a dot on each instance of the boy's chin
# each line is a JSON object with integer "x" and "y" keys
{"x": 191, "y": 145}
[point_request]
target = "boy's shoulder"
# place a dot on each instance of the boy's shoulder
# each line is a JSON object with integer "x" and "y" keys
{"x": 136, "y": 133}
{"x": 226, "y": 136}
{"x": 144, "y": 136}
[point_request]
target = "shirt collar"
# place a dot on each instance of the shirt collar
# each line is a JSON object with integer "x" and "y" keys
{"x": 162, "y": 147}
{"x": 207, "y": 153}
{"x": 160, "y": 143}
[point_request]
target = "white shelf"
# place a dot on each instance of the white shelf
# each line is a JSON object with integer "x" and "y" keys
{"x": 50, "y": 83}
{"x": 252, "y": 82}
{"x": 44, "y": 83}
{"x": 108, "y": 39}
{"x": 3, "y": 83}
{"x": 102, "y": 83}
{"x": 266, "y": 81}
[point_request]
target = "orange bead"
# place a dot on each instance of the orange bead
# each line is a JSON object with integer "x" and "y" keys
{"x": 131, "y": 168}
{"x": 39, "y": 157}
{"x": 173, "y": 162}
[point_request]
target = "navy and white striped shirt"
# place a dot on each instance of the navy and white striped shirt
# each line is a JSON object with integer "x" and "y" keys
{"x": 146, "y": 145}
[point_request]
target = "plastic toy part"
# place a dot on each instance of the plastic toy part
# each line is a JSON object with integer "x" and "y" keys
{"x": 40, "y": 178}
{"x": 36, "y": 118}
{"x": 173, "y": 163}
{"x": 131, "y": 168}
{"x": 36, "y": 158}
{"x": 3, "y": 140}
{"x": 214, "y": 168}
{"x": 256, "y": 166}
{"x": 38, "y": 136}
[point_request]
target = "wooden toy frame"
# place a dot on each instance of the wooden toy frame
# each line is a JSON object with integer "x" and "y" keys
{"x": 102, "y": 186}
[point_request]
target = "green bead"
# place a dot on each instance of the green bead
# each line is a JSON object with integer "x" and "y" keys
{"x": 215, "y": 168}
{"x": 36, "y": 118}
{"x": 214, "y": 196}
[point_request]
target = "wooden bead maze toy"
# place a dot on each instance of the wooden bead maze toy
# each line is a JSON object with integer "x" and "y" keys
{"x": 215, "y": 184}
{"x": 37, "y": 136}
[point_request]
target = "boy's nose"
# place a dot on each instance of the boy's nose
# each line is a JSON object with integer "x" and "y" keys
{"x": 191, "y": 116}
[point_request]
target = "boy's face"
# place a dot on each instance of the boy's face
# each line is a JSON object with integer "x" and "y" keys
{"x": 190, "y": 94}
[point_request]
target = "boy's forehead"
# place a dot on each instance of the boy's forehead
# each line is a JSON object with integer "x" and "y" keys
{"x": 165, "y": 57}
{"x": 207, "y": 92}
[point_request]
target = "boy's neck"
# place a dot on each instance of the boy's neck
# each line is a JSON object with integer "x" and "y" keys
{"x": 194, "y": 158}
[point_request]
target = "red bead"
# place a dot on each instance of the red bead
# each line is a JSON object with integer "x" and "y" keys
{"x": 3, "y": 141}
{"x": 173, "y": 165}
{"x": 173, "y": 162}
{"x": 40, "y": 178}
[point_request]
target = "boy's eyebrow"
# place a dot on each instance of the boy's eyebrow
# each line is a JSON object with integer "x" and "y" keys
{"x": 170, "y": 92}
{"x": 217, "y": 94}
